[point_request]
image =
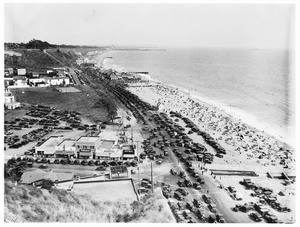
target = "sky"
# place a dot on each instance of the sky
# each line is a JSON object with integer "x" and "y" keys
{"x": 164, "y": 25}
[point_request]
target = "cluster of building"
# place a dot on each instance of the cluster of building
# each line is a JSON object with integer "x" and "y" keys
{"x": 21, "y": 78}
{"x": 115, "y": 75}
{"x": 108, "y": 146}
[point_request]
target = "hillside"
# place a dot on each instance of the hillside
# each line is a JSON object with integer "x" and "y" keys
{"x": 35, "y": 59}
{"x": 40, "y": 205}
{"x": 31, "y": 60}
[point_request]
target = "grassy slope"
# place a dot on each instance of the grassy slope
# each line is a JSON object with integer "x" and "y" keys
{"x": 84, "y": 102}
{"x": 36, "y": 205}
{"x": 31, "y": 60}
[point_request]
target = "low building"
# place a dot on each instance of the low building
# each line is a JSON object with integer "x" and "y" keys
{"x": 47, "y": 148}
{"x": 9, "y": 71}
{"x": 21, "y": 72}
{"x": 8, "y": 81}
{"x": 35, "y": 74}
{"x": 108, "y": 150}
{"x": 66, "y": 149}
{"x": 9, "y": 100}
{"x": 37, "y": 82}
{"x": 20, "y": 81}
{"x": 57, "y": 80}
{"x": 86, "y": 146}
{"x": 35, "y": 177}
{"x": 60, "y": 71}
{"x": 128, "y": 151}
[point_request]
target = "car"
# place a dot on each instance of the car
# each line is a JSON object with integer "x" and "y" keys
{"x": 220, "y": 218}
{"x": 180, "y": 205}
{"x": 143, "y": 190}
{"x": 197, "y": 202}
{"x": 206, "y": 198}
{"x": 173, "y": 172}
{"x": 197, "y": 186}
{"x": 159, "y": 162}
{"x": 182, "y": 174}
{"x": 187, "y": 214}
{"x": 101, "y": 168}
{"x": 189, "y": 205}
{"x": 212, "y": 208}
{"x": 255, "y": 216}
{"x": 28, "y": 153}
{"x": 182, "y": 191}
{"x": 177, "y": 196}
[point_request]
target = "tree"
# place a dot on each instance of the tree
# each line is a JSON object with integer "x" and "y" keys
{"x": 47, "y": 184}
{"x": 111, "y": 115}
{"x": 14, "y": 170}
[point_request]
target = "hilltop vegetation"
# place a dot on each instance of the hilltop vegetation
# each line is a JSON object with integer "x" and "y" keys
{"x": 38, "y": 60}
{"x": 39, "y": 44}
{"x": 40, "y": 205}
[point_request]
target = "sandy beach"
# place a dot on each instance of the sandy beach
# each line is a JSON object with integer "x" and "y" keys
{"x": 244, "y": 144}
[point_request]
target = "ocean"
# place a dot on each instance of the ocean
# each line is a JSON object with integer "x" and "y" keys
{"x": 254, "y": 85}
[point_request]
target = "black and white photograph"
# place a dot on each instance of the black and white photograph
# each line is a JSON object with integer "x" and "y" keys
{"x": 150, "y": 112}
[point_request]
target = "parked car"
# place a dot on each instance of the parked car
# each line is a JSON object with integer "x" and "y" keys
{"x": 182, "y": 191}
{"x": 206, "y": 198}
{"x": 178, "y": 196}
{"x": 255, "y": 216}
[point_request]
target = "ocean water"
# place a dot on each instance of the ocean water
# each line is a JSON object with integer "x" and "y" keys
{"x": 253, "y": 85}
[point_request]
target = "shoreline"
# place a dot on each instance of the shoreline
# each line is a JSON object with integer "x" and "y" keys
{"x": 243, "y": 143}
{"x": 236, "y": 114}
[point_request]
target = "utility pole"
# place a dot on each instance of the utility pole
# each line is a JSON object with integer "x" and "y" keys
{"x": 152, "y": 183}
{"x": 138, "y": 168}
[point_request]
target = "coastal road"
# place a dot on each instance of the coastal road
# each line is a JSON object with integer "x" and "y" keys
{"x": 220, "y": 198}
{"x": 74, "y": 76}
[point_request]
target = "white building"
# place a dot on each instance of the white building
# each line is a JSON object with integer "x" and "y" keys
{"x": 47, "y": 148}
{"x": 66, "y": 149}
{"x": 21, "y": 72}
{"x": 108, "y": 150}
{"x": 57, "y": 80}
{"x": 86, "y": 146}
{"x": 9, "y": 100}
{"x": 38, "y": 82}
{"x": 19, "y": 82}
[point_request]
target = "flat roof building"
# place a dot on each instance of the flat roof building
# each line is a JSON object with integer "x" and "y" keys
{"x": 86, "y": 146}
{"x": 66, "y": 149}
{"x": 47, "y": 148}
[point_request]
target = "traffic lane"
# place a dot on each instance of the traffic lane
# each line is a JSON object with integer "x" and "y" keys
{"x": 223, "y": 202}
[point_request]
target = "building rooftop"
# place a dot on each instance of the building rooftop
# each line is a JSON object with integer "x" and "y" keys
{"x": 67, "y": 143}
{"x": 19, "y": 77}
{"x": 48, "y": 146}
{"x": 106, "y": 144}
{"x": 51, "y": 141}
{"x": 109, "y": 135}
{"x": 30, "y": 177}
{"x": 88, "y": 139}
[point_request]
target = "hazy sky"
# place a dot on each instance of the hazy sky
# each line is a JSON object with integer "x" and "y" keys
{"x": 261, "y": 26}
